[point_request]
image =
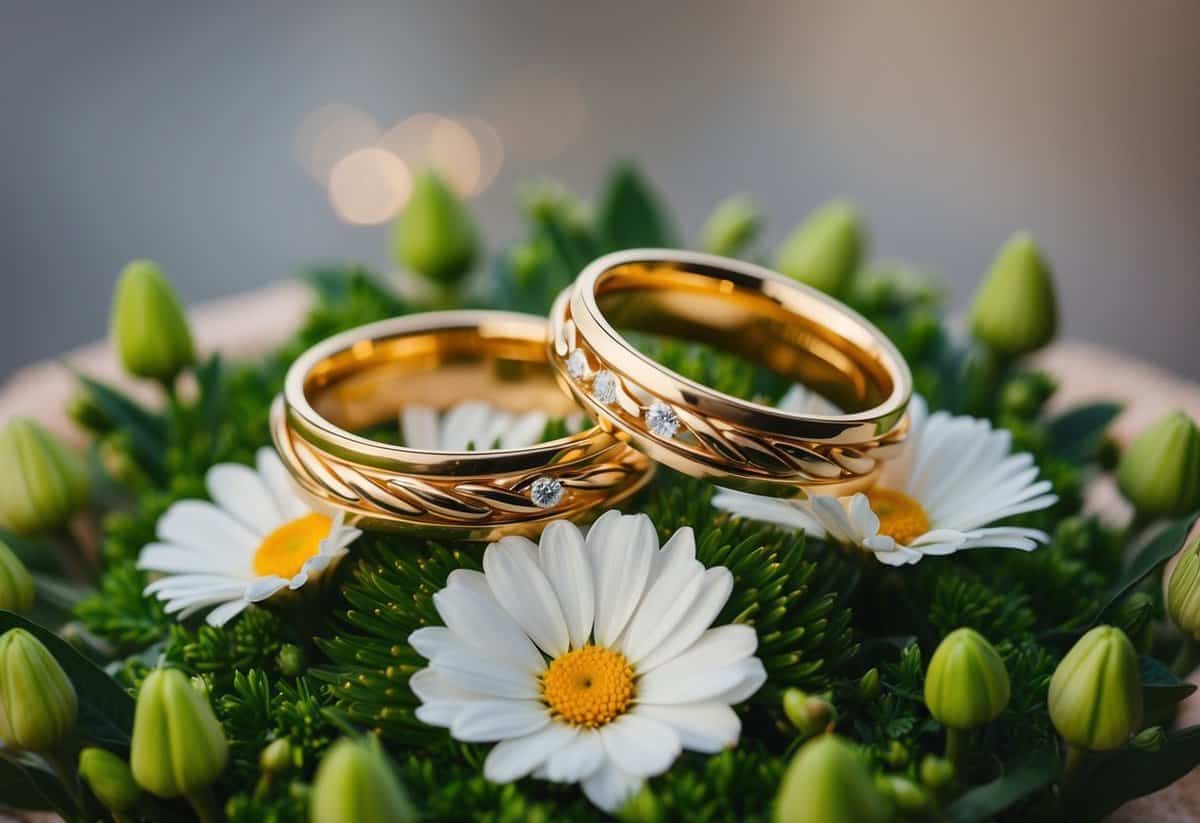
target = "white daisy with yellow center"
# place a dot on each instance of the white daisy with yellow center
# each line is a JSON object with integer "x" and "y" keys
{"x": 255, "y": 539}
{"x": 588, "y": 661}
{"x": 956, "y": 475}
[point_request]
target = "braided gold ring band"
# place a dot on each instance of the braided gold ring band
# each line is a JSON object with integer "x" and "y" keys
{"x": 758, "y": 315}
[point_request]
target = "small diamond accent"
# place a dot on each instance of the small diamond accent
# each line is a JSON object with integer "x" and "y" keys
{"x": 662, "y": 419}
{"x": 577, "y": 365}
{"x": 546, "y": 492}
{"x": 604, "y": 387}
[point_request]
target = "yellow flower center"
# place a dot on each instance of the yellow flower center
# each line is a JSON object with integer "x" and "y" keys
{"x": 900, "y": 517}
{"x": 283, "y": 551}
{"x": 589, "y": 686}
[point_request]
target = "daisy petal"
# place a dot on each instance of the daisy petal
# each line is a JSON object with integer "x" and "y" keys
{"x": 170, "y": 559}
{"x": 479, "y": 620}
{"x": 771, "y": 510}
{"x": 419, "y": 426}
{"x": 223, "y": 614}
{"x": 666, "y": 603}
{"x": 577, "y": 760}
{"x": 640, "y": 746}
{"x": 609, "y": 788}
{"x": 240, "y": 491}
{"x": 522, "y": 588}
{"x": 701, "y": 727}
{"x": 469, "y": 670}
{"x": 563, "y": 557}
{"x": 621, "y": 550}
{"x": 264, "y": 587}
{"x": 430, "y": 641}
{"x": 717, "y": 649}
{"x": 484, "y": 721}
{"x": 277, "y": 479}
{"x": 753, "y": 675}
{"x": 524, "y": 430}
{"x": 512, "y": 759}
{"x": 715, "y": 587}
{"x": 202, "y": 526}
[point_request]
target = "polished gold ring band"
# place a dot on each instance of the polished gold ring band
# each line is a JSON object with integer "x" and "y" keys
{"x": 758, "y": 315}
{"x": 363, "y": 378}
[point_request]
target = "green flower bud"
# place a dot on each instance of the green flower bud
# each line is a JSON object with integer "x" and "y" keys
{"x": 291, "y": 660}
{"x": 1149, "y": 740}
{"x": 16, "y": 583}
{"x": 110, "y": 779}
{"x": 178, "y": 746}
{"x": 435, "y": 236}
{"x": 148, "y": 327}
{"x": 356, "y": 784}
{"x": 1159, "y": 472}
{"x": 1015, "y": 311}
{"x": 38, "y": 704}
{"x": 87, "y": 414}
{"x": 868, "y": 685}
{"x": 1183, "y": 589}
{"x": 825, "y": 251}
{"x": 643, "y": 807}
{"x": 43, "y": 482}
{"x": 906, "y": 795}
{"x": 966, "y": 685}
{"x": 936, "y": 772}
{"x": 810, "y": 715}
{"x": 732, "y": 226}
{"x": 276, "y": 757}
{"x": 1096, "y": 693}
{"x": 896, "y": 755}
{"x": 826, "y": 782}
{"x": 1133, "y": 616}
{"x": 1023, "y": 396}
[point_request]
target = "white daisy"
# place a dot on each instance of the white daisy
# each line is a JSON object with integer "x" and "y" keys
{"x": 955, "y": 476}
{"x": 588, "y": 661}
{"x": 256, "y": 538}
{"x": 476, "y": 426}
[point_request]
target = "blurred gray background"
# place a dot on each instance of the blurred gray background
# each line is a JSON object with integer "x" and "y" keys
{"x": 214, "y": 139}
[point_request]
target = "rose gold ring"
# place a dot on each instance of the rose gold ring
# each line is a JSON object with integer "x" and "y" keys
{"x": 342, "y": 390}
{"x": 758, "y": 315}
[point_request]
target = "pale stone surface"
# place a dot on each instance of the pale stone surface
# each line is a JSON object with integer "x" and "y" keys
{"x": 254, "y": 323}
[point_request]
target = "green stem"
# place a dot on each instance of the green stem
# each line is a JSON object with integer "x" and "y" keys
{"x": 956, "y": 747}
{"x": 1187, "y": 658}
{"x": 1074, "y": 758}
{"x": 204, "y": 806}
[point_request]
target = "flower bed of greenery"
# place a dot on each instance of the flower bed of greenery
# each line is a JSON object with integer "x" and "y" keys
{"x": 846, "y": 642}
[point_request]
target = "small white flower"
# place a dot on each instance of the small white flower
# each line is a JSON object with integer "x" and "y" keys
{"x": 256, "y": 538}
{"x": 475, "y": 425}
{"x": 955, "y": 476}
{"x": 587, "y": 661}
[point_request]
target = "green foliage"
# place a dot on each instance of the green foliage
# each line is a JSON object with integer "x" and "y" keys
{"x": 822, "y": 619}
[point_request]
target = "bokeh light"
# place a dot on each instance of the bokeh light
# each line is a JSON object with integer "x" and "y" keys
{"x": 369, "y": 186}
{"x": 330, "y": 133}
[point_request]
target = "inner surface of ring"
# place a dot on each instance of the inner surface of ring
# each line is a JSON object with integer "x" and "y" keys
{"x": 789, "y": 332}
{"x": 370, "y": 382}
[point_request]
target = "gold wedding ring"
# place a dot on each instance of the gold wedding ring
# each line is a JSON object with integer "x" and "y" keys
{"x": 753, "y": 313}
{"x": 363, "y": 378}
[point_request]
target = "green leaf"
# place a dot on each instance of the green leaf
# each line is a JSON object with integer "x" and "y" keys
{"x": 630, "y": 215}
{"x": 105, "y": 709}
{"x": 147, "y": 432}
{"x": 1030, "y": 775}
{"x": 1112, "y": 779}
{"x": 1160, "y": 685}
{"x": 1078, "y": 433}
{"x": 27, "y": 783}
{"x": 1165, "y": 544}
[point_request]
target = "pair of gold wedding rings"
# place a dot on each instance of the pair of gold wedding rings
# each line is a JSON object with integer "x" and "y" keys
{"x": 644, "y": 413}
